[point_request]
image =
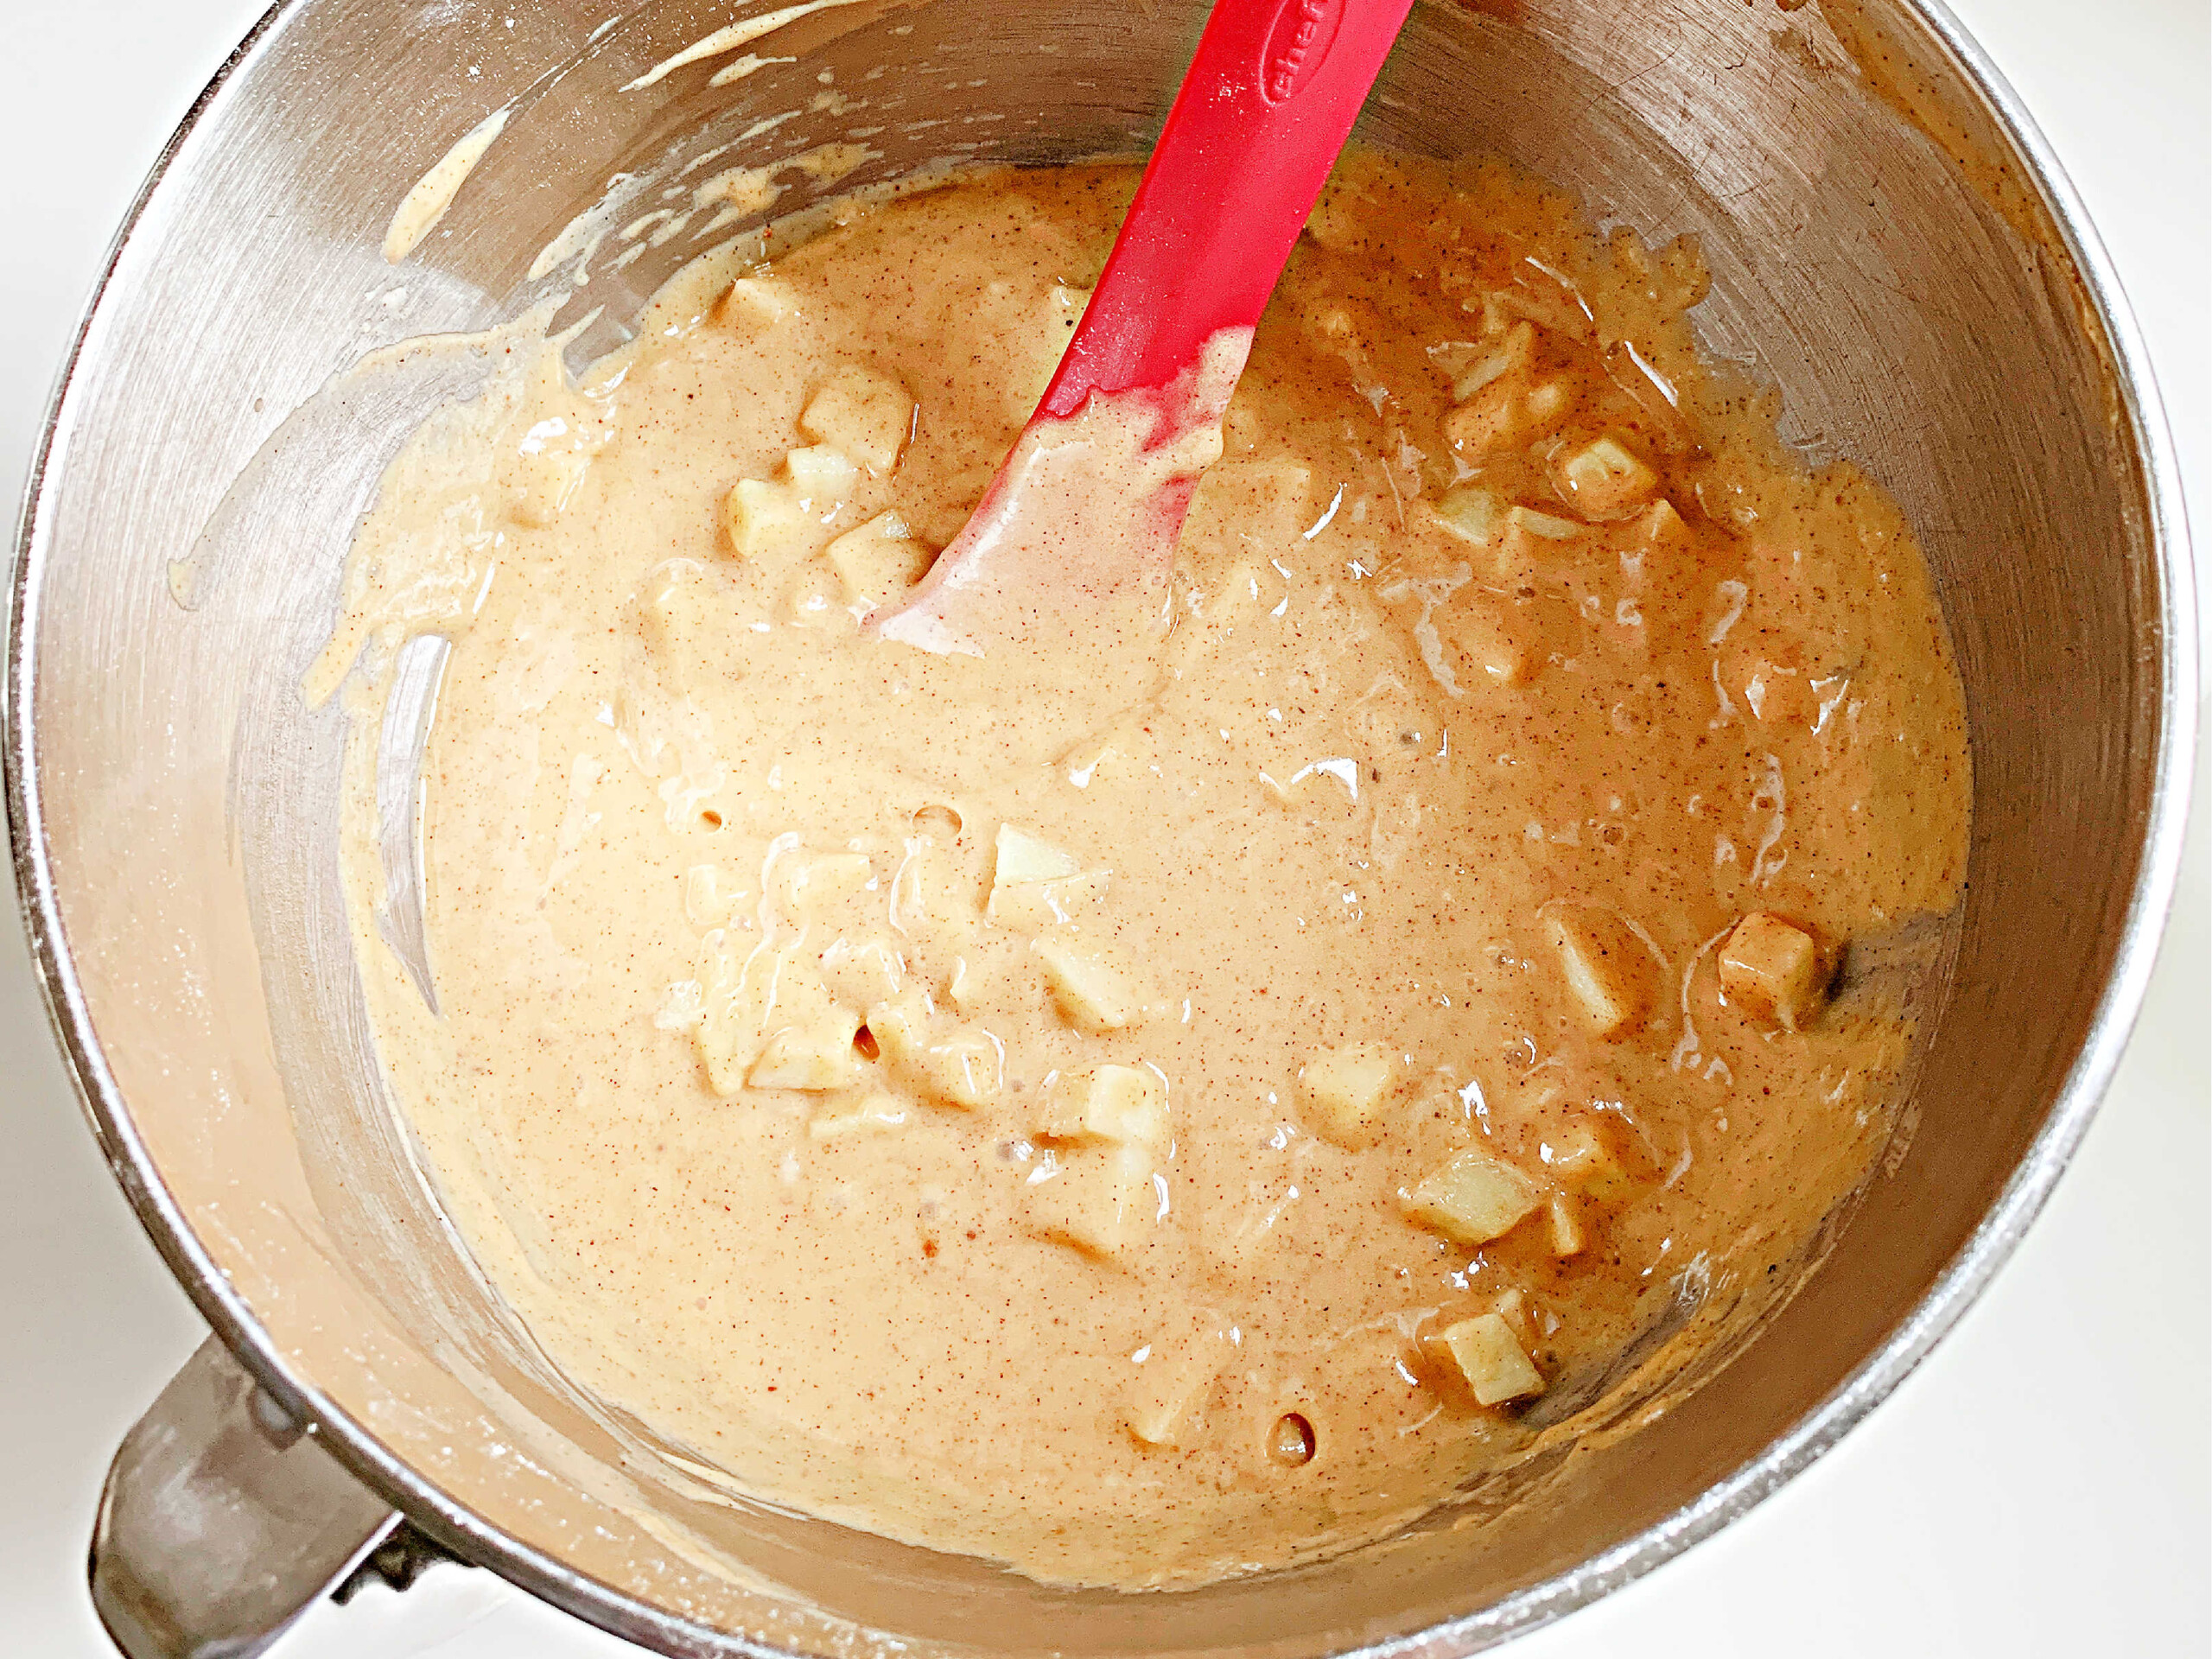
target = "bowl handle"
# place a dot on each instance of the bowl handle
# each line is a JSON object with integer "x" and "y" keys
{"x": 222, "y": 1520}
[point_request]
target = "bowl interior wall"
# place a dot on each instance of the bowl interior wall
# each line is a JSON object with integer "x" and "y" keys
{"x": 215, "y": 454}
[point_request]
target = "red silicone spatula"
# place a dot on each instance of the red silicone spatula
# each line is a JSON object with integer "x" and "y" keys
{"x": 1085, "y": 509}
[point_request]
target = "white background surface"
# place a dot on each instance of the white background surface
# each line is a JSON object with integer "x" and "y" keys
{"x": 2039, "y": 1487}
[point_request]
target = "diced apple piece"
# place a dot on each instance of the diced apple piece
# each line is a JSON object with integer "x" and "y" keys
{"x": 1172, "y": 1384}
{"x": 1339, "y": 219}
{"x": 1473, "y": 513}
{"x": 1563, "y": 1227}
{"x": 1545, "y": 526}
{"x": 1488, "y": 423}
{"x": 1343, "y": 1090}
{"x": 1608, "y": 969}
{"x": 1159, "y": 1409}
{"x": 1514, "y": 1307}
{"x": 728, "y": 1044}
{"x": 801, "y": 883}
{"x": 1515, "y": 354}
{"x": 862, "y": 973}
{"x": 760, "y": 517}
{"x": 1031, "y": 906}
{"x": 1664, "y": 530}
{"x": 1474, "y": 1198}
{"x": 900, "y": 1024}
{"x": 879, "y": 560}
{"x": 1491, "y": 1359}
{"x": 1024, "y": 857}
{"x": 1101, "y": 1201}
{"x": 814, "y": 1056}
{"x": 822, "y": 478}
{"x": 1774, "y": 971}
{"x": 964, "y": 1067}
{"x": 754, "y": 303}
{"x": 1488, "y": 647}
{"x": 869, "y": 1115}
{"x": 1546, "y": 406}
{"x": 971, "y": 983}
{"x": 1123, "y": 1104}
{"x": 961, "y": 1066}
{"x": 1583, "y": 1159}
{"x": 1605, "y": 479}
{"x": 1536, "y": 546}
{"x": 769, "y": 1022}
{"x": 863, "y": 412}
{"x": 1092, "y": 996}
{"x": 1510, "y": 413}
{"x": 733, "y": 992}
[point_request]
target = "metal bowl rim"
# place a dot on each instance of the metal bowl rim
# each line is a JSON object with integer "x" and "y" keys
{"x": 475, "y": 1539}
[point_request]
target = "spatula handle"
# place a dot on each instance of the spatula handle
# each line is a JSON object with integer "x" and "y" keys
{"x": 1271, "y": 95}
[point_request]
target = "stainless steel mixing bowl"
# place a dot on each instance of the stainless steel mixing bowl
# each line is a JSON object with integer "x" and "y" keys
{"x": 1892, "y": 245}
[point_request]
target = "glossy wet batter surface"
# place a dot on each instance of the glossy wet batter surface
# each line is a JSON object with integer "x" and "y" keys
{"x": 1150, "y": 1136}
